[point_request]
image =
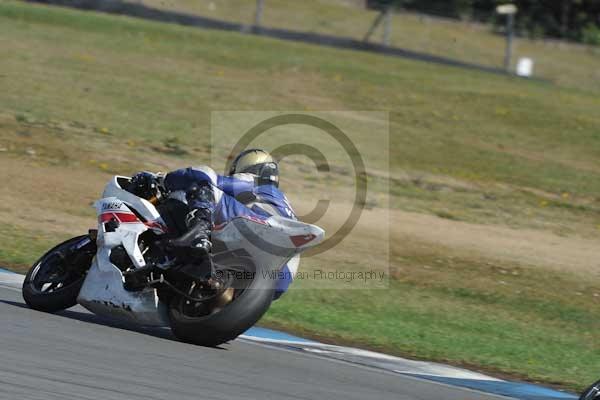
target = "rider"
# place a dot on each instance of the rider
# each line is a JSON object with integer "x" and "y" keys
{"x": 211, "y": 199}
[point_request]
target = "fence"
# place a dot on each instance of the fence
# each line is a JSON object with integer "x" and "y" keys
{"x": 348, "y": 24}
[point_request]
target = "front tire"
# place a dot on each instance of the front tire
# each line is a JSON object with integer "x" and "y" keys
{"x": 592, "y": 392}
{"x": 53, "y": 282}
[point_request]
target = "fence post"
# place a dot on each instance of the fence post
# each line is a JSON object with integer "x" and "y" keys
{"x": 510, "y": 24}
{"x": 373, "y": 26}
{"x": 387, "y": 25}
{"x": 509, "y": 10}
{"x": 259, "y": 12}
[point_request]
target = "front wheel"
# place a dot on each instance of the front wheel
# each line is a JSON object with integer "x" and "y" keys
{"x": 53, "y": 282}
{"x": 193, "y": 323}
{"x": 591, "y": 393}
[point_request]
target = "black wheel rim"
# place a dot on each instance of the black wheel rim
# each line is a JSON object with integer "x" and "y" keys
{"x": 592, "y": 393}
{"x": 56, "y": 271}
{"x": 193, "y": 309}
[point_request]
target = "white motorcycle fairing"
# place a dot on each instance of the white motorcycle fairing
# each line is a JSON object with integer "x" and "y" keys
{"x": 269, "y": 242}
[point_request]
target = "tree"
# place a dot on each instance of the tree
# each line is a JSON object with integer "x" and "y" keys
{"x": 570, "y": 19}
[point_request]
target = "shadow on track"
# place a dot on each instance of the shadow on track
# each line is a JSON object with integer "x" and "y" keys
{"x": 161, "y": 333}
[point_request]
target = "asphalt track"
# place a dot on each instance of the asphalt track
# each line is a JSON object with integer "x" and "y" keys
{"x": 76, "y": 355}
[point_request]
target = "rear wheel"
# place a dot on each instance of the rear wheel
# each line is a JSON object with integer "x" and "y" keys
{"x": 53, "y": 282}
{"x": 210, "y": 324}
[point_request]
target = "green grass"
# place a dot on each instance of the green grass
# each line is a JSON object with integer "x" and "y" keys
{"x": 444, "y": 121}
{"x": 20, "y": 247}
{"x": 92, "y": 92}
{"x": 462, "y": 331}
{"x": 509, "y": 318}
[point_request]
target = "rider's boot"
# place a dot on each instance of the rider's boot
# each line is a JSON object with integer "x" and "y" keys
{"x": 197, "y": 238}
{"x": 198, "y": 221}
{"x": 193, "y": 248}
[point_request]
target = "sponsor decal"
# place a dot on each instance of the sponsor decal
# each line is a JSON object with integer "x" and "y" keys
{"x": 112, "y": 205}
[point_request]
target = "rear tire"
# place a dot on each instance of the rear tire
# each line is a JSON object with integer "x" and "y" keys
{"x": 226, "y": 324}
{"x": 65, "y": 295}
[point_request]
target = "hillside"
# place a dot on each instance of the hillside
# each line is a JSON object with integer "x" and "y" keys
{"x": 571, "y": 65}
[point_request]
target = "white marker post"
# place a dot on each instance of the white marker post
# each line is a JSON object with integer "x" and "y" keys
{"x": 525, "y": 67}
{"x": 509, "y": 10}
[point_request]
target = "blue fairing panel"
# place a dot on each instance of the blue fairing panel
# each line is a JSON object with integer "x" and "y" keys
{"x": 229, "y": 208}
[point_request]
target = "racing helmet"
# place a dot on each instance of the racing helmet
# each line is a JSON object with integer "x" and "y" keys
{"x": 258, "y": 163}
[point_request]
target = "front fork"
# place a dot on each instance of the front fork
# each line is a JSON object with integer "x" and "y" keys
{"x": 88, "y": 246}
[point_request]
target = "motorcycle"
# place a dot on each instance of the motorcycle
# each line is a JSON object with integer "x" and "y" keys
{"x": 92, "y": 270}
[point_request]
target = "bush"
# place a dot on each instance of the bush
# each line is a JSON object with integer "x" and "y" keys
{"x": 590, "y": 34}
